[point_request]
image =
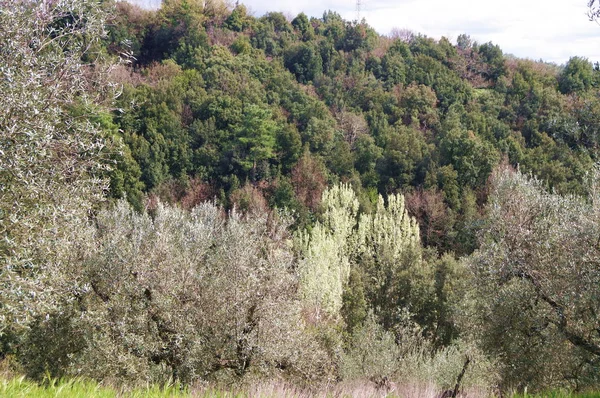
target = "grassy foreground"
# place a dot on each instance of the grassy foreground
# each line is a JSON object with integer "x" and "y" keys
{"x": 17, "y": 387}
{"x": 20, "y": 387}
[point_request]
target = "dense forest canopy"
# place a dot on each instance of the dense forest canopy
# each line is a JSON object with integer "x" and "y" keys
{"x": 216, "y": 100}
{"x": 195, "y": 193}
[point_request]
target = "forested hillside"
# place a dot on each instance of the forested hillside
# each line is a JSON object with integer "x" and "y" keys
{"x": 196, "y": 194}
{"x": 220, "y": 103}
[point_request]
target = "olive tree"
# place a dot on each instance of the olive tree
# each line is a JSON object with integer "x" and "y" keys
{"x": 537, "y": 282}
{"x": 50, "y": 154}
{"x": 183, "y": 295}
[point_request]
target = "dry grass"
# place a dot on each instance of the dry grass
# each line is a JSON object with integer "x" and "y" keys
{"x": 367, "y": 389}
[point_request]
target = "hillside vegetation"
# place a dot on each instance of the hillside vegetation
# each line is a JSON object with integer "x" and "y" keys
{"x": 198, "y": 195}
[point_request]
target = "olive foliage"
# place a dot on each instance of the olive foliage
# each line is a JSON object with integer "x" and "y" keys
{"x": 52, "y": 83}
{"x": 537, "y": 279}
{"x": 191, "y": 295}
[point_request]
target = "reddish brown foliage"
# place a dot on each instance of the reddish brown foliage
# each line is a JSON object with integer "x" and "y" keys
{"x": 122, "y": 74}
{"x": 219, "y": 36}
{"x": 308, "y": 179}
{"x": 471, "y": 67}
{"x": 197, "y": 192}
{"x": 187, "y": 195}
{"x": 428, "y": 207}
{"x": 249, "y": 199}
{"x": 162, "y": 72}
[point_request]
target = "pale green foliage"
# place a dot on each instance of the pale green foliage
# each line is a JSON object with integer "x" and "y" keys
{"x": 323, "y": 269}
{"x": 325, "y": 266}
{"x": 538, "y": 283}
{"x": 49, "y": 159}
{"x": 390, "y": 232}
{"x": 341, "y": 206}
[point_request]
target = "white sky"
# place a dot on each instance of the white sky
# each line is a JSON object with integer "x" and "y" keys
{"x": 552, "y": 30}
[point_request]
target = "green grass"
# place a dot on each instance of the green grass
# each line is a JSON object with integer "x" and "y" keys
{"x": 20, "y": 387}
{"x": 76, "y": 388}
